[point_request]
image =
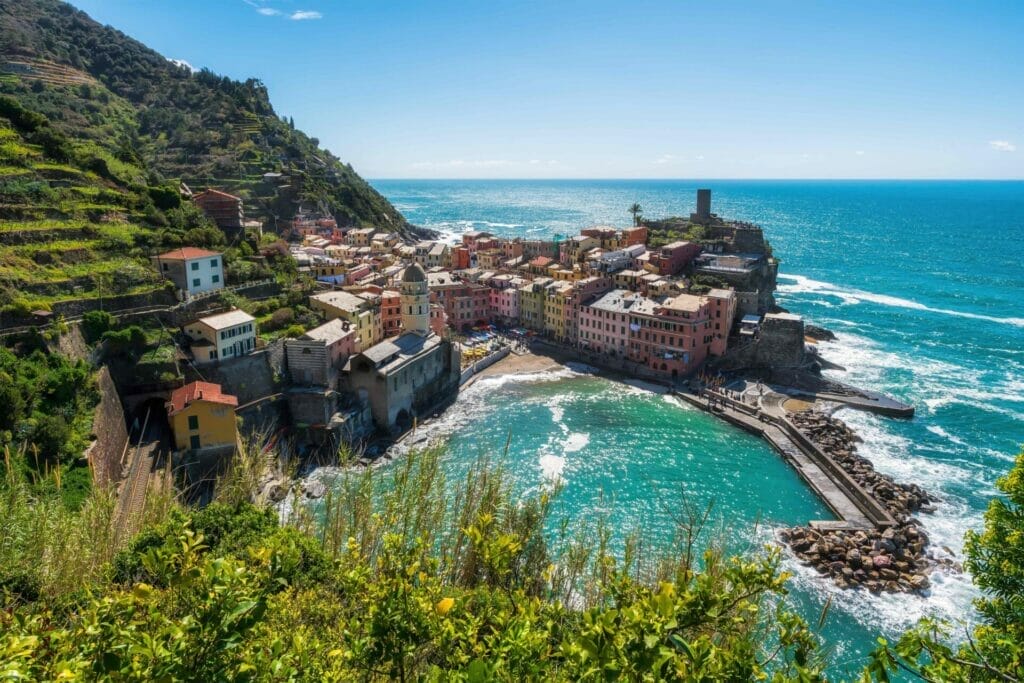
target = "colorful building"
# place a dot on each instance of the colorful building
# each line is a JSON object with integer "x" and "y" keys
{"x": 202, "y": 417}
{"x": 222, "y": 336}
{"x": 192, "y": 270}
{"x": 362, "y": 313}
{"x": 671, "y": 336}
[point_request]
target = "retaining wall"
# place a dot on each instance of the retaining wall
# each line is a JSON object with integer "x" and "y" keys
{"x": 111, "y": 433}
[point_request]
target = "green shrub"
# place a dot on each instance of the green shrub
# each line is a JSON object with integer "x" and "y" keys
{"x": 96, "y": 323}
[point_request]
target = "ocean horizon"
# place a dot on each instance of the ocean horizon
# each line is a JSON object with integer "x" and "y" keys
{"x": 921, "y": 282}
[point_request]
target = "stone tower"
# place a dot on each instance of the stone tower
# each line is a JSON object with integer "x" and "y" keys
{"x": 415, "y": 301}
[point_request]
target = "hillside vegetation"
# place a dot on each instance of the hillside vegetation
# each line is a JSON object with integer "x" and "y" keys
{"x": 101, "y": 88}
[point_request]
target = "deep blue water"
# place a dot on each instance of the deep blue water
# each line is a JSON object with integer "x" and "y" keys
{"x": 922, "y": 281}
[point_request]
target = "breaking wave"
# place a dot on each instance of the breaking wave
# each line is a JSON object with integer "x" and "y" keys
{"x": 849, "y": 295}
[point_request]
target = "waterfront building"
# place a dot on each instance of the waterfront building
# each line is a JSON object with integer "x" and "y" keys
{"x": 557, "y": 310}
{"x": 460, "y": 258}
{"x": 635, "y": 235}
{"x": 604, "y": 323}
{"x": 192, "y": 270}
{"x": 222, "y": 336}
{"x": 572, "y": 250}
{"x": 504, "y": 299}
{"x": 722, "y": 309}
{"x": 671, "y": 336}
{"x": 532, "y": 297}
{"x": 465, "y": 302}
{"x": 539, "y": 265}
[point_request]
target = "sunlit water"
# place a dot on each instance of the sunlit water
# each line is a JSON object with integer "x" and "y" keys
{"x": 921, "y": 281}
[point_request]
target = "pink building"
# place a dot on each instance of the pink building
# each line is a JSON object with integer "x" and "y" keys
{"x": 465, "y": 303}
{"x": 722, "y": 308}
{"x": 672, "y": 337}
{"x": 504, "y": 300}
{"x": 604, "y": 323}
{"x": 438, "y": 319}
{"x": 672, "y": 258}
{"x": 357, "y": 273}
{"x": 583, "y": 290}
{"x": 471, "y": 240}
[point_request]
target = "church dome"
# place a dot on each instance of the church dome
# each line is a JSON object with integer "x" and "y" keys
{"x": 414, "y": 273}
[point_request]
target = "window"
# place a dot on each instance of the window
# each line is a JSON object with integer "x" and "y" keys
{"x": 213, "y": 263}
{"x": 193, "y": 442}
{"x": 215, "y": 278}
{"x": 165, "y": 266}
{"x": 193, "y": 422}
{"x": 196, "y": 282}
{"x": 195, "y": 265}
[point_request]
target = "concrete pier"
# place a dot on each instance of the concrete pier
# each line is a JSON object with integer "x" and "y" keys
{"x": 853, "y": 506}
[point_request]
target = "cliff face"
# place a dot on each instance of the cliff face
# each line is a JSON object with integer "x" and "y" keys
{"x": 96, "y": 84}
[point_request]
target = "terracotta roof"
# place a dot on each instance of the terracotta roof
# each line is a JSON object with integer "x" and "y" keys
{"x": 198, "y": 391}
{"x": 542, "y": 261}
{"x": 187, "y": 253}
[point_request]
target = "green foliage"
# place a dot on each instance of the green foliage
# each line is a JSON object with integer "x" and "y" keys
{"x": 95, "y": 323}
{"x": 49, "y": 401}
{"x": 130, "y": 341}
{"x": 405, "y": 579}
{"x": 146, "y": 113}
{"x": 995, "y": 649}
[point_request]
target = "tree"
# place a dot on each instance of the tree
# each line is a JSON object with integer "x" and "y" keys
{"x": 636, "y": 210}
{"x": 994, "y": 651}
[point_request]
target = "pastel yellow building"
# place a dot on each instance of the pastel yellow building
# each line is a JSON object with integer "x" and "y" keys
{"x": 202, "y": 416}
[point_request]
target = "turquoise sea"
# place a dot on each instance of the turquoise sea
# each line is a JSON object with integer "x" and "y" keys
{"x": 922, "y": 281}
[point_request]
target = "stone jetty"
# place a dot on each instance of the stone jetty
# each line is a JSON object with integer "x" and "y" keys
{"x": 893, "y": 559}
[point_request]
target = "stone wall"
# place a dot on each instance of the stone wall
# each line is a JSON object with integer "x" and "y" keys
{"x": 110, "y": 431}
{"x": 249, "y": 377}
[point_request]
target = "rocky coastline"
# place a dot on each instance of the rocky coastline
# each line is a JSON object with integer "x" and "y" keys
{"x": 895, "y": 560}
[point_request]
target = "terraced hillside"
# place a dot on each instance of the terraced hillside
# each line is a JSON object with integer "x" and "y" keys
{"x": 76, "y": 222}
{"x": 96, "y": 84}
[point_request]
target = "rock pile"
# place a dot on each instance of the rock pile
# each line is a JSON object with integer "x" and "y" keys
{"x": 837, "y": 440}
{"x": 893, "y": 560}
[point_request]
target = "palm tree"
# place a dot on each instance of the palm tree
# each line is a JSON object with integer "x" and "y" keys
{"x": 636, "y": 211}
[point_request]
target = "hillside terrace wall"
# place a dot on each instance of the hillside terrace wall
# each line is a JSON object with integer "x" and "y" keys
{"x": 110, "y": 431}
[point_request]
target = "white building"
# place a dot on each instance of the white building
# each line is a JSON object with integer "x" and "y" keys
{"x": 192, "y": 270}
{"x": 222, "y": 336}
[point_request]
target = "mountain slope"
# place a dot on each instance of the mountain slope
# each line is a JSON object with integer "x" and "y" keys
{"x": 199, "y": 128}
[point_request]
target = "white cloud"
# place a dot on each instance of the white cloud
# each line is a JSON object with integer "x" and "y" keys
{"x": 268, "y": 11}
{"x": 182, "y": 62}
{"x": 859, "y": 152}
{"x": 303, "y": 15}
{"x": 665, "y": 159}
{"x": 700, "y": 157}
{"x": 1002, "y": 146}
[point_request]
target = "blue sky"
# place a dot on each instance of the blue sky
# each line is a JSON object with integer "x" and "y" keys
{"x": 613, "y": 89}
